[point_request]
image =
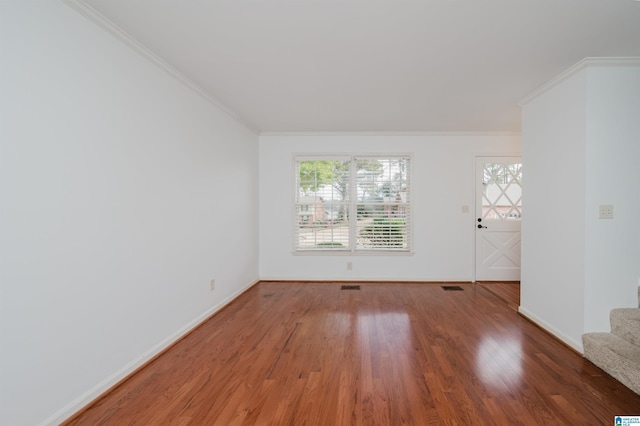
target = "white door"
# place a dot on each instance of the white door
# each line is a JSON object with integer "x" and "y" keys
{"x": 498, "y": 216}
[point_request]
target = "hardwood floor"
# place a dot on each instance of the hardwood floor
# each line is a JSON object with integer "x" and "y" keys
{"x": 508, "y": 291}
{"x": 387, "y": 354}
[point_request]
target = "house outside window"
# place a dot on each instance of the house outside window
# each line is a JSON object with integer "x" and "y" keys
{"x": 352, "y": 204}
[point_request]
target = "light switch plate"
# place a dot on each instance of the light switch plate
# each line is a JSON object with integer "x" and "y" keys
{"x": 605, "y": 211}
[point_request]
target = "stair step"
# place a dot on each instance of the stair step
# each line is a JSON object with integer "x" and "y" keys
{"x": 625, "y": 323}
{"x": 616, "y": 356}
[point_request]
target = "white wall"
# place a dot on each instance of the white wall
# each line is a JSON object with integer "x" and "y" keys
{"x": 581, "y": 144}
{"x": 553, "y": 155}
{"x": 123, "y": 193}
{"x": 442, "y": 182}
{"x": 613, "y": 177}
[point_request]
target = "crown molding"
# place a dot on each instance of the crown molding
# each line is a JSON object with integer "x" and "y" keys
{"x": 583, "y": 64}
{"x": 91, "y": 14}
{"x": 391, "y": 133}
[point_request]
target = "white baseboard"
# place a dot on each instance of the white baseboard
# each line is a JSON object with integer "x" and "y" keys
{"x": 551, "y": 329}
{"x": 83, "y": 400}
{"x": 370, "y": 279}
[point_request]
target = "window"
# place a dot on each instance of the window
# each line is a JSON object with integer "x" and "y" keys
{"x": 352, "y": 204}
{"x": 502, "y": 191}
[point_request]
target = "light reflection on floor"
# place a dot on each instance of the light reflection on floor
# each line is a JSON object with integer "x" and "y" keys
{"x": 499, "y": 361}
{"x": 389, "y": 332}
{"x": 398, "y": 321}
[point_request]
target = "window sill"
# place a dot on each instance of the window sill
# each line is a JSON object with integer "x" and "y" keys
{"x": 352, "y": 253}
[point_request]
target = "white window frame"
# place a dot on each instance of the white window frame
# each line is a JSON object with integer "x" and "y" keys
{"x": 353, "y": 203}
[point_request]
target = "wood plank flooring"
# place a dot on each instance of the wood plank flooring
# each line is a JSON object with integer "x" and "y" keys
{"x": 508, "y": 291}
{"x": 387, "y": 354}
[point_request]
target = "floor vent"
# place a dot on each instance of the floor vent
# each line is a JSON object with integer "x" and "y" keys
{"x": 350, "y": 287}
{"x": 452, "y": 288}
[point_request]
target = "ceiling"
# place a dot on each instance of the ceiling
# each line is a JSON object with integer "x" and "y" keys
{"x": 376, "y": 65}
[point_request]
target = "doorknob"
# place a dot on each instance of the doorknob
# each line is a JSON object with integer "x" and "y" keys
{"x": 480, "y": 226}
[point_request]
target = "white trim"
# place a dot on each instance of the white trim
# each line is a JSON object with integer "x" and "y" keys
{"x": 317, "y": 156}
{"x": 550, "y": 329}
{"x": 83, "y": 400}
{"x": 320, "y": 157}
{"x": 584, "y": 63}
{"x": 474, "y": 167}
{"x": 390, "y": 281}
{"x": 347, "y": 252}
{"x": 496, "y": 154}
{"x": 90, "y": 13}
{"x": 390, "y": 133}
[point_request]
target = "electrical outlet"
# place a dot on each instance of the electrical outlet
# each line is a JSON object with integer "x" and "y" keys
{"x": 213, "y": 285}
{"x": 605, "y": 211}
{"x": 349, "y": 266}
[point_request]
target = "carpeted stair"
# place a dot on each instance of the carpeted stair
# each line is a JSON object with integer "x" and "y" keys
{"x": 618, "y": 352}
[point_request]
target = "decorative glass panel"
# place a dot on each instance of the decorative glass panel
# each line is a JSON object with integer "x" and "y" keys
{"x": 502, "y": 191}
